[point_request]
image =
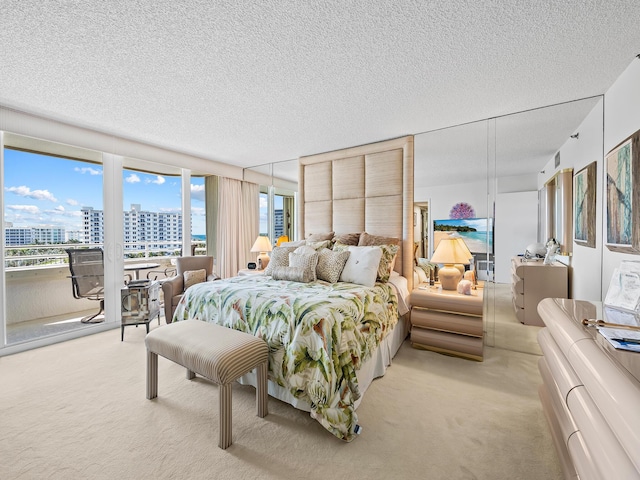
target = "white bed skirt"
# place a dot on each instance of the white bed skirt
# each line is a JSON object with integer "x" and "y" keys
{"x": 373, "y": 368}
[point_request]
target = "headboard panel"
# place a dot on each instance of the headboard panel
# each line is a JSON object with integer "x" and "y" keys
{"x": 361, "y": 189}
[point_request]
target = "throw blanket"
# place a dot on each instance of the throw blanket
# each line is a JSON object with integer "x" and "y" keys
{"x": 318, "y": 334}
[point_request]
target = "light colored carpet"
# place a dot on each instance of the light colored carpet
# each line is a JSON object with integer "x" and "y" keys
{"x": 508, "y": 332}
{"x": 77, "y": 410}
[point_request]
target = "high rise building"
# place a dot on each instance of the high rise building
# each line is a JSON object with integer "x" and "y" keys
{"x": 142, "y": 229}
{"x": 33, "y": 235}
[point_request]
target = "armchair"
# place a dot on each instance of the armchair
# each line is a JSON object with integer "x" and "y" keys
{"x": 173, "y": 288}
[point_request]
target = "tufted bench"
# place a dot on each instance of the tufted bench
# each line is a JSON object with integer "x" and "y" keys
{"x": 218, "y": 353}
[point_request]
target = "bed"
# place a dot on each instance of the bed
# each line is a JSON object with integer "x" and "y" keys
{"x": 328, "y": 340}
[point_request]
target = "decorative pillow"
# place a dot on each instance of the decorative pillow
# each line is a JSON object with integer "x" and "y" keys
{"x": 318, "y": 237}
{"x": 307, "y": 261}
{"x": 330, "y": 264}
{"x": 320, "y": 244}
{"x": 366, "y": 239}
{"x": 293, "y": 274}
{"x": 340, "y": 247}
{"x": 306, "y": 249}
{"x": 362, "y": 265}
{"x": 297, "y": 243}
{"x": 279, "y": 258}
{"x": 387, "y": 261}
{"x": 191, "y": 277}
{"x": 347, "y": 238}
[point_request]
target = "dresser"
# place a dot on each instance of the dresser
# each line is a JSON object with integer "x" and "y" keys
{"x": 447, "y": 322}
{"x": 590, "y": 394}
{"x": 531, "y": 281}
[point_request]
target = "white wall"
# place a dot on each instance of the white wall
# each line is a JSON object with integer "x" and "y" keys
{"x": 516, "y": 226}
{"x": 577, "y": 153}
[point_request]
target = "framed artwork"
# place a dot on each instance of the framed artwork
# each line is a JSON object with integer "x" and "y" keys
{"x": 584, "y": 206}
{"x": 477, "y": 233}
{"x": 622, "y": 171}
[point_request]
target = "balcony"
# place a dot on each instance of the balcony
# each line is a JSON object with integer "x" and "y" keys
{"x": 39, "y": 298}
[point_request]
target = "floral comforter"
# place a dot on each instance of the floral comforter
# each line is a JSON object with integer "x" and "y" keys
{"x": 318, "y": 334}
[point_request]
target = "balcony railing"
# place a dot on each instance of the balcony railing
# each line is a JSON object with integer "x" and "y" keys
{"x": 25, "y": 256}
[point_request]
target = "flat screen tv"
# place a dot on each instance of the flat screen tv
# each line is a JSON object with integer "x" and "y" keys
{"x": 476, "y": 232}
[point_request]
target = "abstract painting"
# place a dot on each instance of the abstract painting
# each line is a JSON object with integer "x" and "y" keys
{"x": 622, "y": 169}
{"x": 584, "y": 206}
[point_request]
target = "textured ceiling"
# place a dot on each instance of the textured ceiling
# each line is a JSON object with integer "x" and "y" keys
{"x": 253, "y": 82}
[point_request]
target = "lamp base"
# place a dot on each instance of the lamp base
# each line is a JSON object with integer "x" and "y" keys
{"x": 263, "y": 260}
{"x": 449, "y": 277}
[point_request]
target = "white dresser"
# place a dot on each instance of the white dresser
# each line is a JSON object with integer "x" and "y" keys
{"x": 531, "y": 281}
{"x": 590, "y": 394}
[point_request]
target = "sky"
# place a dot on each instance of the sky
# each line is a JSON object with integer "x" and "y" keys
{"x": 40, "y": 190}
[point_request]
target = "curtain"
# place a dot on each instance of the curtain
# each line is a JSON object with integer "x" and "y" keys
{"x": 237, "y": 225}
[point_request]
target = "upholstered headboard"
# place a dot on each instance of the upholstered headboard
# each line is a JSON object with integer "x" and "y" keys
{"x": 361, "y": 189}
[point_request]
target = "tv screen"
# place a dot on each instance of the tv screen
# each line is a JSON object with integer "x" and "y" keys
{"x": 476, "y": 232}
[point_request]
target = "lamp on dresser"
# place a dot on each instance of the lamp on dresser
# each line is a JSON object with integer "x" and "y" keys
{"x": 262, "y": 245}
{"x": 451, "y": 251}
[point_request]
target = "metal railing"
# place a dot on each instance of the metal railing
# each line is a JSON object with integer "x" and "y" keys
{"x": 25, "y": 256}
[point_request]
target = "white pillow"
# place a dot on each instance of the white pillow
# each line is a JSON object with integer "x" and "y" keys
{"x": 362, "y": 266}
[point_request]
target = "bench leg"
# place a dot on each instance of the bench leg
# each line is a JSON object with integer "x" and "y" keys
{"x": 262, "y": 396}
{"x": 152, "y": 374}
{"x": 225, "y": 416}
{"x": 190, "y": 374}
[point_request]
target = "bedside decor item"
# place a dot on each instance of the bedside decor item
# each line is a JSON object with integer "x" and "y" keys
{"x": 450, "y": 251}
{"x": 584, "y": 206}
{"x": 622, "y": 169}
{"x": 262, "y": 245}
{"x": 462, "y": 210}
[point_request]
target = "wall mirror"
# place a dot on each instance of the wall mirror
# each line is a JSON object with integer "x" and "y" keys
{"x": 278, "y": 191}
{"x": 495, "y": 168}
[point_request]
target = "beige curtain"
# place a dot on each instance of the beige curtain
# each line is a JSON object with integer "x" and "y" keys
{"x": 237, "y": 225}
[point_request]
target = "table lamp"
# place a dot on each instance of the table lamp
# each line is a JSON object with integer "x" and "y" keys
{"x": 451, "y": 250}
{"x": 262, "y": 245}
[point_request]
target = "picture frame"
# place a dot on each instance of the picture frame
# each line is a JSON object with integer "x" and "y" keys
{"x": 584, "y": 206}
{"x": 622, "y": 174}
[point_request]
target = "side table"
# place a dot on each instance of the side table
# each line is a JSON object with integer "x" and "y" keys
{"x": 245, "y": 272}
{"x": 447, "y": 322}
{"x": 140, "y": 303}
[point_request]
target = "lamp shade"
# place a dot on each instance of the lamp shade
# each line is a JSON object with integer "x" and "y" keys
{"x": 262, "y": 244}
{"x": 451, "y": 250}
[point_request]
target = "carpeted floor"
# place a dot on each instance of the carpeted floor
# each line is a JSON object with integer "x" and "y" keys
{"x": 506, "y": 331}
{"x": 77, "y": 410}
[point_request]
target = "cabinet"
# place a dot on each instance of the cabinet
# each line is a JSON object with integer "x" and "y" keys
{"x": 531, "y": 281}
{"x": 140, "y": 303}
{"x": 446, "y": 322}
{"x": 590, "y": 394}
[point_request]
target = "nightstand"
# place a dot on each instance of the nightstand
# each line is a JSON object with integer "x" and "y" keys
{"x": 447, "y": 322}
{"x": 246, "y": 272}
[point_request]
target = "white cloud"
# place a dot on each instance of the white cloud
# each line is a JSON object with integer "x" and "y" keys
{"x": 158, "y": 181}
{"x": 23, "y": 191}
{"x": 60, "y": 209}
{"x": 31, "y": 209}
{"x": 197, "y": 192}
{"x": 72, "y": 202}
{"x": 89, "y": 170}
{"x": 263, "y": 202}
{"x": 198, "y": 211}
{"x": 133, "y": 178}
